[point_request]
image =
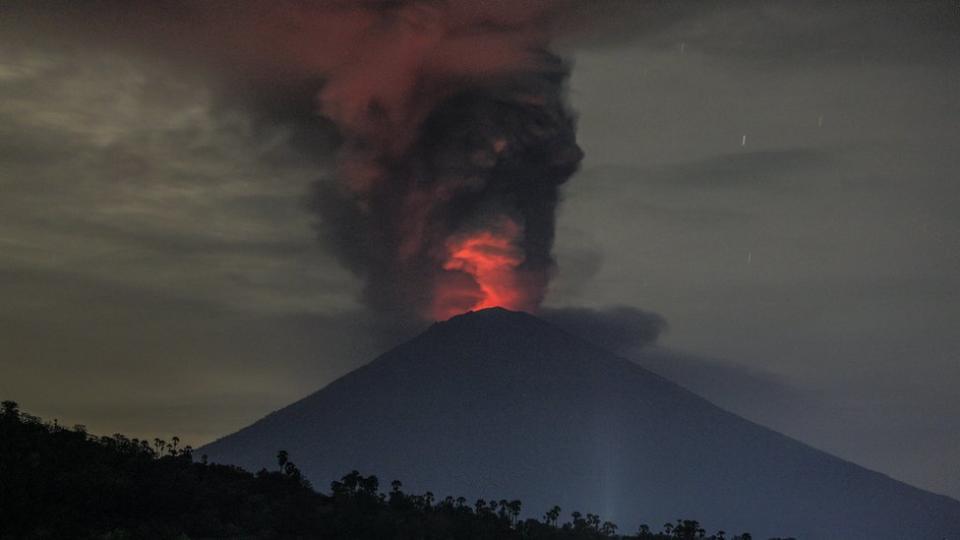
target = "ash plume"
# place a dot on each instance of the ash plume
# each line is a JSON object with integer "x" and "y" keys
{"x": 486, "y": 163}
{"x": 456, "y": 141}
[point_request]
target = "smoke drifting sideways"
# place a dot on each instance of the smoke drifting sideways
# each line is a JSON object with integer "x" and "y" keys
{"x": 618, "y": 329}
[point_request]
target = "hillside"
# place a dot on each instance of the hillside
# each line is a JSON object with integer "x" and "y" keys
{"x": 501, "y": 402}
{"x": 58, "y": 483}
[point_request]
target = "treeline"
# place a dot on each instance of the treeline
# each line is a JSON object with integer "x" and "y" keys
{"x": 65, "y": 483}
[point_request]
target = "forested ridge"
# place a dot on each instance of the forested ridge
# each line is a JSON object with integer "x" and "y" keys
{"x": 58, "y": 483}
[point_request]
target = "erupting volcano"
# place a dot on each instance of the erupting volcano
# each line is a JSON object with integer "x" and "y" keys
{"x": 490, "y": 258}
{"x": 444, "y": 198}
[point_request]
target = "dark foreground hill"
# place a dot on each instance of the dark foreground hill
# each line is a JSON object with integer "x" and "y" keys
{"x": 60, "y": 484}
{"x": 501, "y": 402}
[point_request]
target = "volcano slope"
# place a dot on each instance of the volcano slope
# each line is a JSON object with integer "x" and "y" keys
{"x": 497, "y": 404}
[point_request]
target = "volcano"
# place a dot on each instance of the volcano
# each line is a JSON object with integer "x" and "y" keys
{"x": 500, "y": 404}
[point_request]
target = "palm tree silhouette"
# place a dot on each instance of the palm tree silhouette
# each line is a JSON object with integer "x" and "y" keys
{"x": 552, "y": 515}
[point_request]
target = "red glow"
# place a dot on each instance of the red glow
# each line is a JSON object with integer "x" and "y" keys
{"x": 482, "y": 272}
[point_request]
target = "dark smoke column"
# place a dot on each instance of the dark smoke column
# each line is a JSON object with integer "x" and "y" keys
{"x": 457, "y": 140}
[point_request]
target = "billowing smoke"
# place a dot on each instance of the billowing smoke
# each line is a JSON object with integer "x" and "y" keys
{"x": 456, "y": 141}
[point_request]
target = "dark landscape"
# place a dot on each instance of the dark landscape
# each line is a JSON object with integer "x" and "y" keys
{"x": 66, "y": 483}
{"x": 488, "y": 403}
{"x": 479, "y": 269}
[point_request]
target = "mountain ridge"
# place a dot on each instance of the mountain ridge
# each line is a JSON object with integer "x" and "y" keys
{"x": 496, "y": 402}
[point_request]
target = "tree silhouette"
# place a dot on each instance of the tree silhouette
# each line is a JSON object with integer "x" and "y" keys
{"x": 552, "y": 515}
{"x": 65, "y": 483}
{"x": 10, "y": 409}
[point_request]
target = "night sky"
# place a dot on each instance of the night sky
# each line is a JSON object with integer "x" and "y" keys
{"x": 776, "y": 179}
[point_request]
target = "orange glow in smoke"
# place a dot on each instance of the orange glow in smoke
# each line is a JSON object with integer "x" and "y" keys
{"x": 482, "y": 273}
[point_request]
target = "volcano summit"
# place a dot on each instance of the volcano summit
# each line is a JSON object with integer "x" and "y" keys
{"x": 497, "y": 403}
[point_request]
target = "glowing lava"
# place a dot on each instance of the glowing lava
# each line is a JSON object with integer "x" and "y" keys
{"x": 482, "y": 271}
